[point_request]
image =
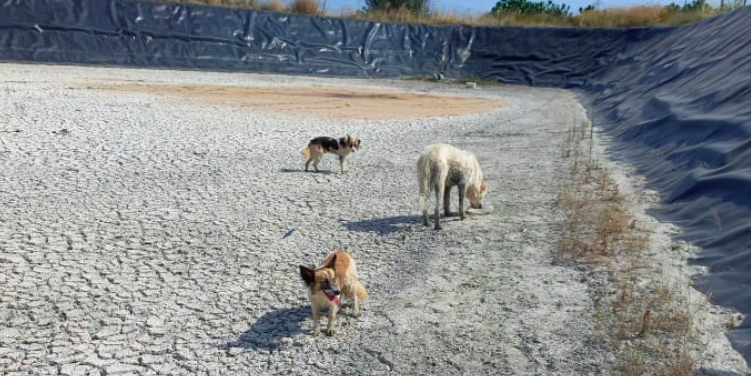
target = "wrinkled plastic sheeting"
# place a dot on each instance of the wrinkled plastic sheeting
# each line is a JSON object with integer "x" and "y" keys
{"x": 175, "y": 35}
{"x": 678, "y": 100}
{"x": 680, "y": 108}
{"x": 188, "y": 36}
{"x": 561, "y": 57}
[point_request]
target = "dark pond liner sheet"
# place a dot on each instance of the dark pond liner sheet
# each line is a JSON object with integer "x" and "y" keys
{"x": 677, "y": 100}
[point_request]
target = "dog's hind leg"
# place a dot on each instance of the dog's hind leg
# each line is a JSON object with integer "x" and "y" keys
{"x": 446, "y": 201}
{"x": 424, "y": 204}
{"x": 307, "y": 163}
{"x": 462, "y": 189}
{"x": 424, "y": 201}
{"x": 439, "y": 182}
{"x": 355, "y": 305}
{"x": 425, "y": 182}
{"x": 440, "y": 188}
{"x": 315, "y": 163}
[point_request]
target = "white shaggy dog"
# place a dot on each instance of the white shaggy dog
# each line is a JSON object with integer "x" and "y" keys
{"x": 443, "y": 166}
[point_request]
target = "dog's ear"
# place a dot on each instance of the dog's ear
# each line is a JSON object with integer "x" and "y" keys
{"x": 330, "y": 262}
{"x": 471, "y": 192}
{"x": 308, "y": 275}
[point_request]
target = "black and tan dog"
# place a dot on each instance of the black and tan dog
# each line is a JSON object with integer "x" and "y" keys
{"x": 319, "y": 146}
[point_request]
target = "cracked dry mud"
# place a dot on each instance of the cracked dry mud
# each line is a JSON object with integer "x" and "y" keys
{"x": 161, "y": 236}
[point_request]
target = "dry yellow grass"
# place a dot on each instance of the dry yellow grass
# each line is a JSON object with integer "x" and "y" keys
{"x": 640, "y": 16}
{"x": 273, "y": 5}
{"x": 244, "y": 4}
{"x": 309, "y": 7}
{"x": 637, "y": 16}
{"x": 634, "y": 16}
{"x": 648, "y": 321}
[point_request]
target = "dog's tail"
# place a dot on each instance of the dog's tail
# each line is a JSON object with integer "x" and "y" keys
{"x": 424, "y": 180}
{"x": 361, "y": 293}
{"x": 305, "y": 153}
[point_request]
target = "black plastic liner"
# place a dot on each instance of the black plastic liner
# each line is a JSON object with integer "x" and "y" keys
{"x": 678, "y": 100}
{"x": 173, "y": 35}
{"x": 680, "y": 107}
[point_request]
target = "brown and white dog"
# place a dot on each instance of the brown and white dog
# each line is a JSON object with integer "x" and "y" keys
{"x": 336, "y": 276}
{"x": 443, "y": 166}
{"x": 319, "y": 146}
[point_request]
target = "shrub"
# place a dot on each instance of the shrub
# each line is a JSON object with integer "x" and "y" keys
{"x": 528, "y": 7}
{"x": 417, "y": 6}
{"x": 273, "y": 5}
{"x": 633, "y": 16}
{"x": 304, "y": 7}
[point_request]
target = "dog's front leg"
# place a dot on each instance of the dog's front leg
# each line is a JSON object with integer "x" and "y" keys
{"x": 438, "y": 194}
{"x": 332, "y": 320}
{"x": 316, "y": 321}
{"x": 461, "y": 201}
{"x": 341, "y": 163}
{"x": 446, "y": 201}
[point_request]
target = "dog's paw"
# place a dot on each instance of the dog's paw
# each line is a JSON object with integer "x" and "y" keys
{"x": 356, "y": 313}
{"x": 330, "y": 332}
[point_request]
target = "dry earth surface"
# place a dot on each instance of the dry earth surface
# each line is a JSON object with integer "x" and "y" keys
{"x": 143, "y": 233}
{"x": 316, "y": 100}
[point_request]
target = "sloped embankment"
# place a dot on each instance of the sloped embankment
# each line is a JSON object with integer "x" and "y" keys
{"x": 680, "y": 107}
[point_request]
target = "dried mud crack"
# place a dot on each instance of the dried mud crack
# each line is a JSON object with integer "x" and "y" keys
{"x": 162, "y": 236}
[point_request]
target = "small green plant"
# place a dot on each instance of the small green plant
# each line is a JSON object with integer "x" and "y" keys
{"x": 528, "y": 7}
{"x": 417, "y": 6}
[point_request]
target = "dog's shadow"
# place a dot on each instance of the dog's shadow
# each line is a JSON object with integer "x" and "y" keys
{"x": 290, "y": 170}
{"x": 390, "y": 225}
{"x": 384, "y": 225}
{"x": 269, "y": 330}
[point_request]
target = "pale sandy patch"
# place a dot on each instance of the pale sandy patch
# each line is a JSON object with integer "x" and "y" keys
{"x": 322, "y": 102}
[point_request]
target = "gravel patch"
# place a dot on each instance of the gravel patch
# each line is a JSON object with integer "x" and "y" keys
{"x": 146, "y": 235}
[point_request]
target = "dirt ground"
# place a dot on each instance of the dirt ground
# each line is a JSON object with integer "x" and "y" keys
{"x": 151, "y": 234}
{"x": 323, "y": 102}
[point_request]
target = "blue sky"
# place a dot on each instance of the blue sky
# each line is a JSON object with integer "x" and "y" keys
{"x": 479, "y": 6}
